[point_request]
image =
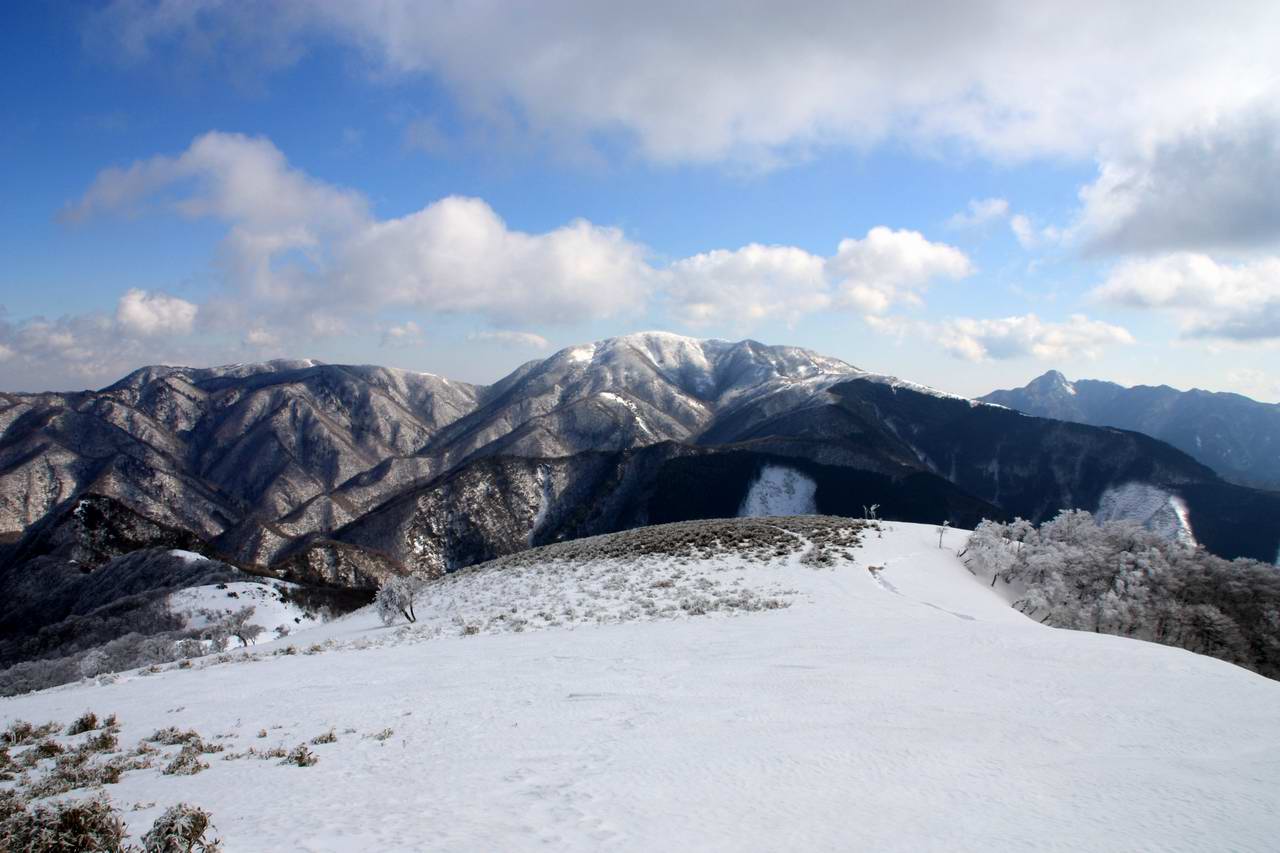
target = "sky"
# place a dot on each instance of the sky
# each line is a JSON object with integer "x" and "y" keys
{"x": 963, "y": 195}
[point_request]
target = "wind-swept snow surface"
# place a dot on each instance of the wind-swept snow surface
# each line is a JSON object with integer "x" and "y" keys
{"x": 894, "y": 703}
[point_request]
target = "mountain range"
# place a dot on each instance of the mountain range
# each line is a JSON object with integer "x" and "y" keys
{"x": 341, "y": 475}
{"x": 1237, "y": 437}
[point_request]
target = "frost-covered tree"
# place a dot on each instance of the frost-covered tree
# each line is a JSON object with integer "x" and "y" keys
{"x": 239, "y": 626}
{"x": 1118, "y": 578}
{"x": 93, "y": 663}
{"x": 396, "y": 597}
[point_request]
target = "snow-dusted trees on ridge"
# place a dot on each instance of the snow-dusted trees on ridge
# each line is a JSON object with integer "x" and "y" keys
{"x": 396, "y": 597}
{"x": 1117, "y": 578}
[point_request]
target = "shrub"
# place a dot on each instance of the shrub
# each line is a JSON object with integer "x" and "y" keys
{"x": 181, "y": 829}
{"x": 20, "y": 732}
{"x": 174, "y": 736}
{"x": 101, "y": 742}
{"x": 86, "y": 722}
{"x": 11, "y": 802}
{"x": 186, "y": 763}
{"x": 70, "y": 827}
{"x": 273, "y": 752}
{"x": 382, "y": 735}
{"x": 74, "y": 770}
{"x": 47, "y": 748}
{"x": 301, "y": 756}
{"x": 327, "y": 737}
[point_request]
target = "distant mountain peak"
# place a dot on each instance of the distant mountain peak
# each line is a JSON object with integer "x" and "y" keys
{"x": 1051, "y": 381}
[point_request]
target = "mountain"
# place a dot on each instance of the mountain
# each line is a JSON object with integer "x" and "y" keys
{"x": 796, "y": 684}
{"x": 342, "y": 475}
{"x": 1237, "y": 437}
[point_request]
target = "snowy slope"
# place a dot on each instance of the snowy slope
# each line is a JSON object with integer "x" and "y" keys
{"x": 901, "y": 708}
{"x": 271, "y": 609}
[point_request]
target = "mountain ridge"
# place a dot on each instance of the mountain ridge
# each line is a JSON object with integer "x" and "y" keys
{"x": 343, "y": 474}
{"x": 1236, "y": 436}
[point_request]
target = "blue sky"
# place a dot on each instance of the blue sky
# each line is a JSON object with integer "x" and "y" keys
{"x": 962, "y": 197}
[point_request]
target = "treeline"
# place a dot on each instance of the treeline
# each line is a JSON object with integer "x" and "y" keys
{"x": 1118, "y": 578}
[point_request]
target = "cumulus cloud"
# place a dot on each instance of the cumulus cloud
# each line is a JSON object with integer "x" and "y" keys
{"x": 1211, "y": 187}
{"x": 511, "y": 339}
{"x": 1211, "y": 299}
{"x": 756, "y": 283}
{"x": 300, "y": 255}
{"x": 980, "y": 212}
{"x": 888, "y": 267}
{"x": 301, "y": 247}
{"x": 973, "y": 339}
{"x": 458, "y": 256}
{"x": 74, "y": 352}
{"x": 745, "y": 286}
{"x": 685, "y": 86}
{"x": 146, "y": 313}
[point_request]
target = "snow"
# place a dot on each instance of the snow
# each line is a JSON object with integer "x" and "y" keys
{"x": 188, "y": 557}
{"x": 270, "y": 609}
{"x": 581, "y": 355}
{"x": 1154, "y": 508}
{"x": 630, "y": 405}
{"x": 896, "y": 383}
{"x": 779, "y": 490}
{"x": 907, "y": 708}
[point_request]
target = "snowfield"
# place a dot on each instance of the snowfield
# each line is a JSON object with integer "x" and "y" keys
{"x": 270, "y": 609}
{"x": 737, "y": 691}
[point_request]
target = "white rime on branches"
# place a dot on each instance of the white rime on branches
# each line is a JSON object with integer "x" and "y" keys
{"x": 1117, "y": 578}
{"x": 238, "y": 626}
{"x": 396, "y": 596}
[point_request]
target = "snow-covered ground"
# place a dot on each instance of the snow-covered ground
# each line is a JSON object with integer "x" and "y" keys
{"x": 779, "y": 490}
{"x": 894, "y": 703}
{"x": 272, "y": 610}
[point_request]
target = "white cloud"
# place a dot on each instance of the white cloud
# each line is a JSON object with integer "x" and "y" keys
{"x": 1212, "y": 300}
{"x": 404, "y": 334}
{"x": 889, "y": 267}
{"x": 228, "y": 176}
{"x": 507, "y": 338}
{"x": 297, "y": 246}
{"x": 146, "y": 313}
{"x": 79, "y": 351}
{"x": 458, "y": 256}
{"x": 1212, "y": 186}
{"x": 709, "y": 81}
{"x": 302, "y": 256}
{"x": 744, "y": 287}
{"x": 980, "y": 212}
{"x": 1000, "y": 338}
{"x": 755, "y": 284}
